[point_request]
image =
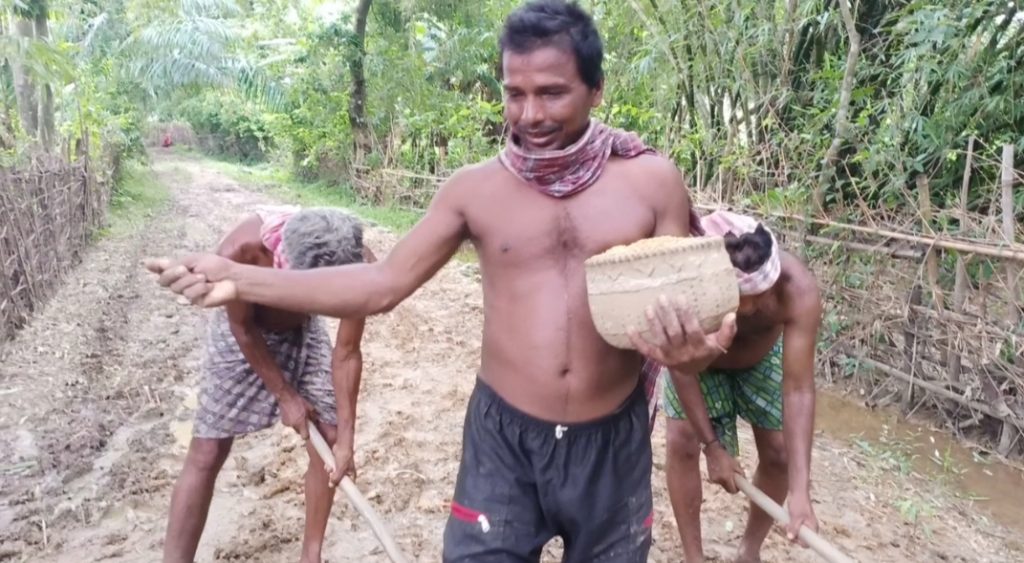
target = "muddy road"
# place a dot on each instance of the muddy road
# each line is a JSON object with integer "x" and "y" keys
{"x": 97, "y": 393}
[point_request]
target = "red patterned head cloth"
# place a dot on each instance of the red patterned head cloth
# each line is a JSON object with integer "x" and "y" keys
{"x": 272, "y": 231}
{"x": 721, "y": 223}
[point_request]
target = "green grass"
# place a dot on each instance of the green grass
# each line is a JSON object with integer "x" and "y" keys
{"x": 282, "y": 185}
{"x": 135, "y": 201}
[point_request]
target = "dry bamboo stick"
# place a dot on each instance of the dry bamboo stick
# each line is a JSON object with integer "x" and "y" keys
{"x": 1014, "y": 252}
{"x": 362, "y": 505}
{"x": 989, "y": 324}
{"x": 932, "y": 260}
{"x": 1008, "y": 417}
{"x": 1012, "y": 271}
{"x": 826, "y": 550}
{"x": 876, "y": 249}
{"x": 960, "y": 285}
{"x": 910, "y": 343}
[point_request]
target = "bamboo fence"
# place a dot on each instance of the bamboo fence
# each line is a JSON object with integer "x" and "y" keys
{"x": 48, "y": 211}
{"x": 923, "y": 317}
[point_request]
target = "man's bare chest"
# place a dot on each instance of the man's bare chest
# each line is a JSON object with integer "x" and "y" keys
{"x": 757, "y": 328}
{"x": 522, "y": 227}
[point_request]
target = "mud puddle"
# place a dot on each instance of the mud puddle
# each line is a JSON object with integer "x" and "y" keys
{"x": 989, "y": 484}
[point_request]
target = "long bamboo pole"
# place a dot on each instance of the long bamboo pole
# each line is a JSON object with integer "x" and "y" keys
{"x": 362, "y": 505}
{"x": 1011, "y": 253}
{"x": 820, "y": 545}
{"x": 1008, "y": 434}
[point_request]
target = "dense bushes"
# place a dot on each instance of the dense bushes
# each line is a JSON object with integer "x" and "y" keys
{"x": 228, "y": 125}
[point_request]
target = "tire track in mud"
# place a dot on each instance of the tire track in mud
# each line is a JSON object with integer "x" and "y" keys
{"x": 91, "y": 372}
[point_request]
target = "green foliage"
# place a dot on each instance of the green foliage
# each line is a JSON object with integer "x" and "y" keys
{"x": 229, "y": 125}
{"x": 742, "y": 95}
{"x": 298, "y": 192}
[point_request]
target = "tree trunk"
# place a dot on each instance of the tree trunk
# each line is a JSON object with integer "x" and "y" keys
{"x": 6, "y": 118}
{"x": 357, "y": 103}
{"x": 24, "y": 89}
{"x": 47, "y": 129}
{"x": 842, "y": 121}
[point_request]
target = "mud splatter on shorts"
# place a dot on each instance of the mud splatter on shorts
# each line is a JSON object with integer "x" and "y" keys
{"x": 523, "y": 481}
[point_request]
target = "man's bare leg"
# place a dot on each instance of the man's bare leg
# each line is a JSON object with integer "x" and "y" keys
{"x": 770, "y": 477}
{"x": 319, "y": 498}
{"x": 685, "y": 486}
{"x": 190, "y": 501}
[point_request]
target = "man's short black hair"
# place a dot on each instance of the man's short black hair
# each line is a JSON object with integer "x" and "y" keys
{"x": 749, "y": 251}
{"x": 541, "y": 23}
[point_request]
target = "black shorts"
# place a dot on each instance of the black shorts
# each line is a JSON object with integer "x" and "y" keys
{"x": 523, "y": 481}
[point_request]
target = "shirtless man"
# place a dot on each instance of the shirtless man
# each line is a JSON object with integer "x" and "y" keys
{"x": 261, "y": 363}
{"x": 557, "y": 433}
{"x": 767, "y": 377}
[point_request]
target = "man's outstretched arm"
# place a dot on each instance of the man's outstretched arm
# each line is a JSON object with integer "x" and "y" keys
{"x": 354, "y": 290}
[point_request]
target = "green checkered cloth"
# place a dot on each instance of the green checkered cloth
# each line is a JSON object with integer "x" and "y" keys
{"x": 755, "y": 394}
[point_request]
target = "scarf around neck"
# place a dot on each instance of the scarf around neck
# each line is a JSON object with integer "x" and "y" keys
{"x": 564, "y": 172}
{"x": 561, "y": 173}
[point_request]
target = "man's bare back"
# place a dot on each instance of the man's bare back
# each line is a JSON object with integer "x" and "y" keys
{"x": 766, "y": 377}
{"x": 244, "y": 245}
{"x": 541, "y": 351}
{"x": 758, "y": 328}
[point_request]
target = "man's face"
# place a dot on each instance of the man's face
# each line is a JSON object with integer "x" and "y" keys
{"x": 547, "y": 104}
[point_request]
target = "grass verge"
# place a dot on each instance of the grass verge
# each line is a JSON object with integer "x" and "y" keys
{"x": 281, "y": 185}
{"x": 135, "y": 201}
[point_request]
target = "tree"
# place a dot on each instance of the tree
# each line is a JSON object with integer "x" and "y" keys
{"x": 357, "y": 102}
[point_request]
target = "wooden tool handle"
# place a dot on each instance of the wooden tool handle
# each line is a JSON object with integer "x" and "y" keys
{"x": 823, "y": 548}
{"x": 357, "y": 499}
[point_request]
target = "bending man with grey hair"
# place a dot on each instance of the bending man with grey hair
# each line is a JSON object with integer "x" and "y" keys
{"x": 261, "y": 364}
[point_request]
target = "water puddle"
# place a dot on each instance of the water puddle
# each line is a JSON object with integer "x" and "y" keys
{"x": 994, "y": 487}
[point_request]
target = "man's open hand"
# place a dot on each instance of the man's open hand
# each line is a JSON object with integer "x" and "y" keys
{"x": 200, "y": 278}
{"x": 676, "y": 341}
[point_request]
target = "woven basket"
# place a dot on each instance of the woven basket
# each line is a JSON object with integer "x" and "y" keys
{"x": 624, "y": 280}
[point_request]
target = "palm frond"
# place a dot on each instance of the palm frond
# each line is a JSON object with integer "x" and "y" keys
{"x": 44, "y": 61}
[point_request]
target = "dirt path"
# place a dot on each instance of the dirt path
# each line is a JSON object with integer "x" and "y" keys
{"x": 97, "y": 393}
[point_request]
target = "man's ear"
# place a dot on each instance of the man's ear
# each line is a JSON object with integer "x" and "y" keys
{"x": 598, "y": 94}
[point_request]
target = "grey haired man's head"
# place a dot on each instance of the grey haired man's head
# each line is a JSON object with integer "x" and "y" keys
{"x": 318, "y": 237}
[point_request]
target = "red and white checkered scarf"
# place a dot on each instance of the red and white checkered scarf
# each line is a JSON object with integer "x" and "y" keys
{"x": 721, "y": 223}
